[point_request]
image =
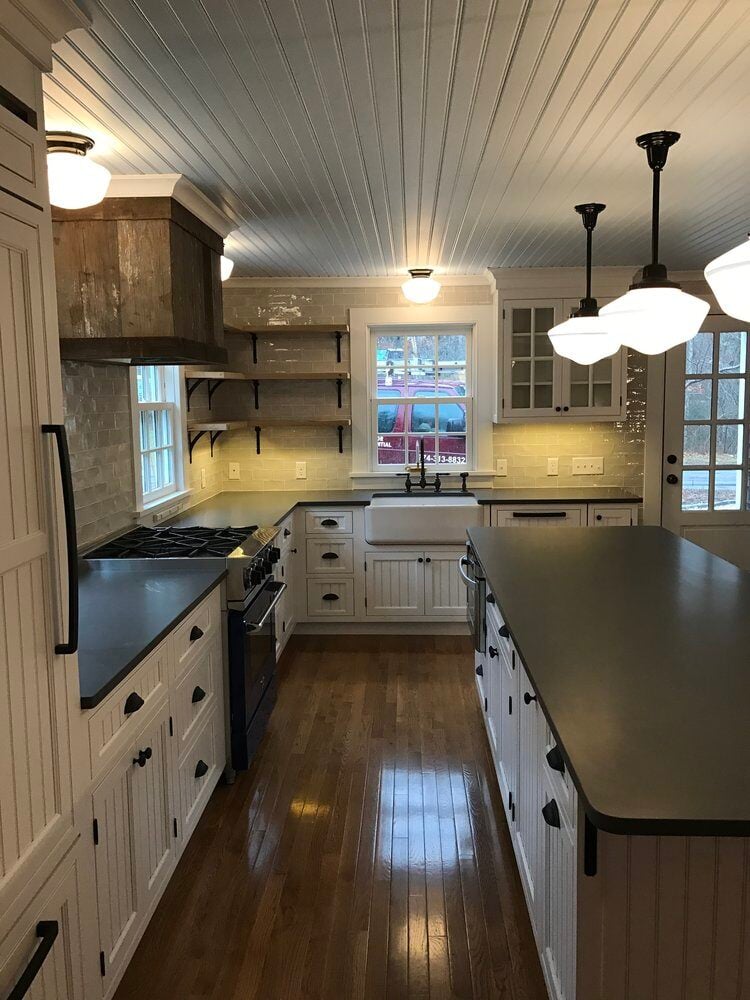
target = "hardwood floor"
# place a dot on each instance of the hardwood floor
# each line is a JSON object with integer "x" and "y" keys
{"x": 363, "y": 855}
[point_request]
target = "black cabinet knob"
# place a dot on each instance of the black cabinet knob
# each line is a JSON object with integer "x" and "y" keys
{"x": 565, "y": 409}
{"x": 555, "y": 759}
{"x": 480, "y": 671}
{"x": 598, "y": 517}
{"x": 420, "y": 560}
{"x": 503, "y": 632}
{"x": 198, "y": 694}
{"x": 196, "y": 632}
{"x": 558, "y": 409}
{"x": 492, "y": 651}
{"x": 672, "y": 479}
{"x": 133, "y": 703}
{"x": 201, "y": 768}
{"x": 551, "y": 814}
{"x": 671, "y": 459}
{"x": 428, "y": 559}
{"x": 528, "y": 698}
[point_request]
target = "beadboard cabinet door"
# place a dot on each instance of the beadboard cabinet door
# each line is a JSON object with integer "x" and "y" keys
{"x": 507, "y": 764}
{"x": 444, "y": 590}
{"x": 530, "y": 795}
{"x": 38, "y": 695}
{"x": 395, "y": 583}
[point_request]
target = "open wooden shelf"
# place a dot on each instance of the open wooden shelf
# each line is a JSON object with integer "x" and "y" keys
{"x": 195, "y": 377}
{"x": 196, "y": 429}
{"x": 337, "y": 330}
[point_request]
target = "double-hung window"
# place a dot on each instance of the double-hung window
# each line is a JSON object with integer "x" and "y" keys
{"x": 421, "y": 397}
{"x": 157, "y": 431}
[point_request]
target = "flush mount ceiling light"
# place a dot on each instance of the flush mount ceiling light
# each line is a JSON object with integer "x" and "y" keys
{"x": 75, "y": 181}
{"x": 585, "y": 338}
{"x": 729, "y": 278}
{"x": 655, "y": 314}
{"x": 227, "y": 266}
{"x": 421, "y": 287}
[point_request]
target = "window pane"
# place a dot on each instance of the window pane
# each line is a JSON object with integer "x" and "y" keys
{"x": 391, "y": 450}
{"x": 697, "y": 444}
{"x": 452, "y": 417}
{"x": 451, "y": 381}
{"x": 148, "y": 430}
{"x": 727, "y": 486}
{"x": 422, "y": 417}
{"x": 699, "y": 355}
{"x": 733, "y": 352}
{"x": 728, "y": 444}
{"x": 387, "y": 417}
{"x": 452, "y": 449}
{"x": 387, "y": 391}
{"x": 694, "y": 490}
{"x": 389, "y": 359}
{"x": 697, "y": 398}
{"x": 452, "y": 349}
{"x": 421, "y": 380}
{"x": 730, "y": 404}
{"x": 429, "y": 449}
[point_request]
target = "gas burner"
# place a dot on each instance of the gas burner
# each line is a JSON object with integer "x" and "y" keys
{"x": 174, "y": 543}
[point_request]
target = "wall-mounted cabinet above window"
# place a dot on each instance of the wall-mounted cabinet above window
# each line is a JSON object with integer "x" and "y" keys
{"x": 537, "y": 384}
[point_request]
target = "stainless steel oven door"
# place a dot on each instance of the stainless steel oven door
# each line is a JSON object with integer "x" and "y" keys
{"x": 468, "y": 567}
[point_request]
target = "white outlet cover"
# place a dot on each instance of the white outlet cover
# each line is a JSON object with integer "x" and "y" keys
{"x": 234, "y": 470}
{"x": 501, "y": 466}
{"x": 588, "y": 466}
{"x": 301, "y": 470}
{"x": 552, "y": 466}
{"x": 203, "y": 479}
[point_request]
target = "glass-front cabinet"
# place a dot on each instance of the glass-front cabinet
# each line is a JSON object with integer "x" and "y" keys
{"x": 540, "y": 385}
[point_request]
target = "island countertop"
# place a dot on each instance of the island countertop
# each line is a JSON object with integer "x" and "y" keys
{"x": 637, "y": 643}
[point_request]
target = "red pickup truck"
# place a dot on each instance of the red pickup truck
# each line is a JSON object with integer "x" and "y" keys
{"x": 418, "y": 420}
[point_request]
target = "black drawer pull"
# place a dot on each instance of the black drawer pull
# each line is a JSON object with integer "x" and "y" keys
{"x": 329, "y": 555}
{"x": 492, "y": 651}
{"x": 528, "y": 698}
{"x": 329, "y": 522}
{"x": 551, "y": 814}
{"x": 480, "y": 671}
{"x": 490, "y": 598}
{"x": 540, "y": 513}
{"x": 198, "y": 694}
{"x": 133, "y": 702}
{"x": 196, "y": 633}
{"x": 330, "y": 597}
{"x": 287, "y": 532}
{"x": 143, "y": 756}
{"x": 503, "y": 632}
{"x": 555, "y": 759}
{"x": 47, "y": 931}
{"x": 510, "y": 704}
{"x": 201, "y": 768}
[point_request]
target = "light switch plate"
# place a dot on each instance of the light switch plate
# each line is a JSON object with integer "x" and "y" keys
{"x": 501, "y": 466}
{"x": 301, "y": 470}
{"x": 589, "y": 466}
{"x": 552, "y": 466}
{"x": 234, "y": 470}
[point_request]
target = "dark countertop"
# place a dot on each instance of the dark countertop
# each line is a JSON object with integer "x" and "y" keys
{"x": 636, "y": 642}
{"x": 127, "y": 607}
{"x": 243, "y": 507}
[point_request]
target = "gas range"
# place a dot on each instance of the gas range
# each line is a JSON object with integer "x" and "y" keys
{"x": 248, "y": 551}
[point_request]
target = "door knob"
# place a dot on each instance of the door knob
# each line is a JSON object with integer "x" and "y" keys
{"x": 672, "y": 479}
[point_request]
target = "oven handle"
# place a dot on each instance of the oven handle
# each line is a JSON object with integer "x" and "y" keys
{"x": 253, "y": 626}
{"x": 463, "y": 561}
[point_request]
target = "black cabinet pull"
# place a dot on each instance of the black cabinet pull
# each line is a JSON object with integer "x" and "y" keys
{"x": 555, "y": 759}
{"x": 528, "y": 698}
{"x": 492, "y": 651}
{"x": 198, "y": 694}
{"x": 329, "y": 555}
{"x": 196, "y": 632}
{"x": 143, "y": 756}
{"x": 293, "y": 551}
{"x": 47, "y": 931}
{"x": 420, "y": 560}
{"x": 510, "y": 704}
{"x": 551, "y": 814}
{"x": 329, "y": 522}
{"x": 287, "y": 532}
{"x": 330, "y": 597}
{"x": 133, "y": 703}
{"x": 480, "y": 671}
{"x": 71, "y": 542}
{"x": 490, "y": 598}
{"x": 201, "y": 768}
{"x": 539, "y": 513}
{"x": 598, "y": 517}
{"x": 558, "y": 409}
{"x": 503, "y": 632}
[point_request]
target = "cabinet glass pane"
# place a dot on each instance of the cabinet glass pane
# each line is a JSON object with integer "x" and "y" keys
{"x": 543, "y": 395}
{"x": 521, "y": 346}
{"x": 579, "y": 373}
{"x": 728, "y": 444}
{"x": 522, "y": 321}
{"x": 602, "y": 394}
{"x": 579, "y": 394}
{"x": 521, "y": 372}
{"x": 730, "y": 404}
{"x": 602, "y": 370}
{"x": 697, "y": 444}
{"x": 521, "y": 397}
{"x": 542, "y": 346}
{"x": 727, "y": 488}
{"x": 543, "y": 372}
{"x": 544, "y": 320}
{"x": 699, "y": 354}
{"x": 698, "y": 399}
{"x": 694, "y": 490}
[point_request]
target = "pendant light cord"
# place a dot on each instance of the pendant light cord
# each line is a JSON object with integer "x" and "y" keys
{"x": 589, "y": 237}
{"x": 655, "y": 217}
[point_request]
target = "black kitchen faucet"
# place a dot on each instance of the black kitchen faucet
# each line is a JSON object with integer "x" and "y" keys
{"x": 423, "y": 481}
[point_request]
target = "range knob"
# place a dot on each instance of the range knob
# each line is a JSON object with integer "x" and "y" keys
{"x": 274, "y": 554}
{"x": 256, "y": 574}
{"x": 267, "y": 565}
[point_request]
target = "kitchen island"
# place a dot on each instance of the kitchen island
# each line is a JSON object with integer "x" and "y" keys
{"x": 614, "y": 688}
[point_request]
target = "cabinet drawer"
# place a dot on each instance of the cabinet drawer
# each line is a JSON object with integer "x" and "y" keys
{"x": 330, "y": 598}
{"x": 22, "y": 157}
{"x": 544, "y": 515}
{"x": 197, "y": 691}
{"x": 285, "y": 537}
{"x": 199, "y": 772}
{"x": 563, "y": 789}
{"x": 611, "y": 516}
{"x": 328, "y": 522}
{"x": 119, "y": 718}
{"x": 330, "y": 555}
{"x": 196, "y": 631}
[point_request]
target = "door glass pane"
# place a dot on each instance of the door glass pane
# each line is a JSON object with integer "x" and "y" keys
{"x": 694, "y": 490}
{"x": 727, "y": 487}
{"x": 733, "y": 352}
{"x": 698, "y": 399}
{"x": 697, "y": 444}
{"x": 728, "y": 444}
{"x": 730, "y": 403}
{"x": 699, "y": 354}
{"x": 521, "y": 345}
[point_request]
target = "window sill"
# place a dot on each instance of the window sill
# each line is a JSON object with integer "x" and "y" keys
{"x": 156, "y": 505}
{"x": 429, "y": 470}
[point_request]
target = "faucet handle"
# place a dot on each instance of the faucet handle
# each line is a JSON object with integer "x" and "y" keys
{"x": 408, "y": 483}
{"x": 464, "y": 477}
{"x": 437, "y": 482}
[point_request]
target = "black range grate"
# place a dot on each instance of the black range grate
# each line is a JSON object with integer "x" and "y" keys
{"x": 171, "y": 543}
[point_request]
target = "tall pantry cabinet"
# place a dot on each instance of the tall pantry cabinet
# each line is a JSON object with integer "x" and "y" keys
{"x": 43, "y": 881}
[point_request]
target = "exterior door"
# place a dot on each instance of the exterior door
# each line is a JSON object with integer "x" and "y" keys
{"x": 706, "y": 423}
{"x": 395, "y": 583}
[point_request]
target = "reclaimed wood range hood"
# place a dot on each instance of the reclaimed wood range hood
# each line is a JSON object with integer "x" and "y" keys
{"x": 138, "y": 275}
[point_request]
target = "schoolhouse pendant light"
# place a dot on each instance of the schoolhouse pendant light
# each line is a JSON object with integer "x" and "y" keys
{"x": 655, "y": 314}
{"x": 421, "y": 287}
{"x": 227, "y": 266}
{"x": 585, "y": 338}
{"x": 75, "y": 181}
{"x": 729, "y": 278}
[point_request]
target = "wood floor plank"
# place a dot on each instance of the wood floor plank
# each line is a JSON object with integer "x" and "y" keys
{"x": 363, "y": 856}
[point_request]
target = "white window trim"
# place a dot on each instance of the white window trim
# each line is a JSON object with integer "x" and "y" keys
{"x": 154, "y": 502}
{"x": 482, "y": 319}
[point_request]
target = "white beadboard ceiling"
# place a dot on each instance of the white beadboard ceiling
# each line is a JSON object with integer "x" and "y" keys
{"x": 359, "y": 137}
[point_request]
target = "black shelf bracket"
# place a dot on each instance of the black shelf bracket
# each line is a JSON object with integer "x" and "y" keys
{"x": 193, "y": 440}
{"x": 341, "y": 439}
{"x": 338, "y": 335}
{"x": 257, "y": 440}
{"x": 191, "y": 384}
{"x": 214, "y": 437}
{"x": 254, "y": 339}
{"x": 256, "y": 385}
{"x": 339, "y": 383}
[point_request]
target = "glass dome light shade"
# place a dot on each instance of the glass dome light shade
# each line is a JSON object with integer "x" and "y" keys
{"x": 584, "y": 339}
{"x": 729, "y": 278}
{"x": 653, "y": 320}
{"x": 227, "y": 266}
{"x": 421, "y": 287}
{"x": 75, "y": 181}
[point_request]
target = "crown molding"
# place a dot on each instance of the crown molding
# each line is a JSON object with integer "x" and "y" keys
{"x": 366, "y": 281}
{"x": 33, "y": 26}
{"x": 175, "y": 186}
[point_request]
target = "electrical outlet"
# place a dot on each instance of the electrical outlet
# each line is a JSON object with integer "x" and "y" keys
{"x": 301, "y": 470}
{"x": 203, "y": 479}
{"x": 552, "y": 466}
{"x": 501, "y": 466}
{"x": 588, "y": 466}
{"x": 234, "y": 470}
